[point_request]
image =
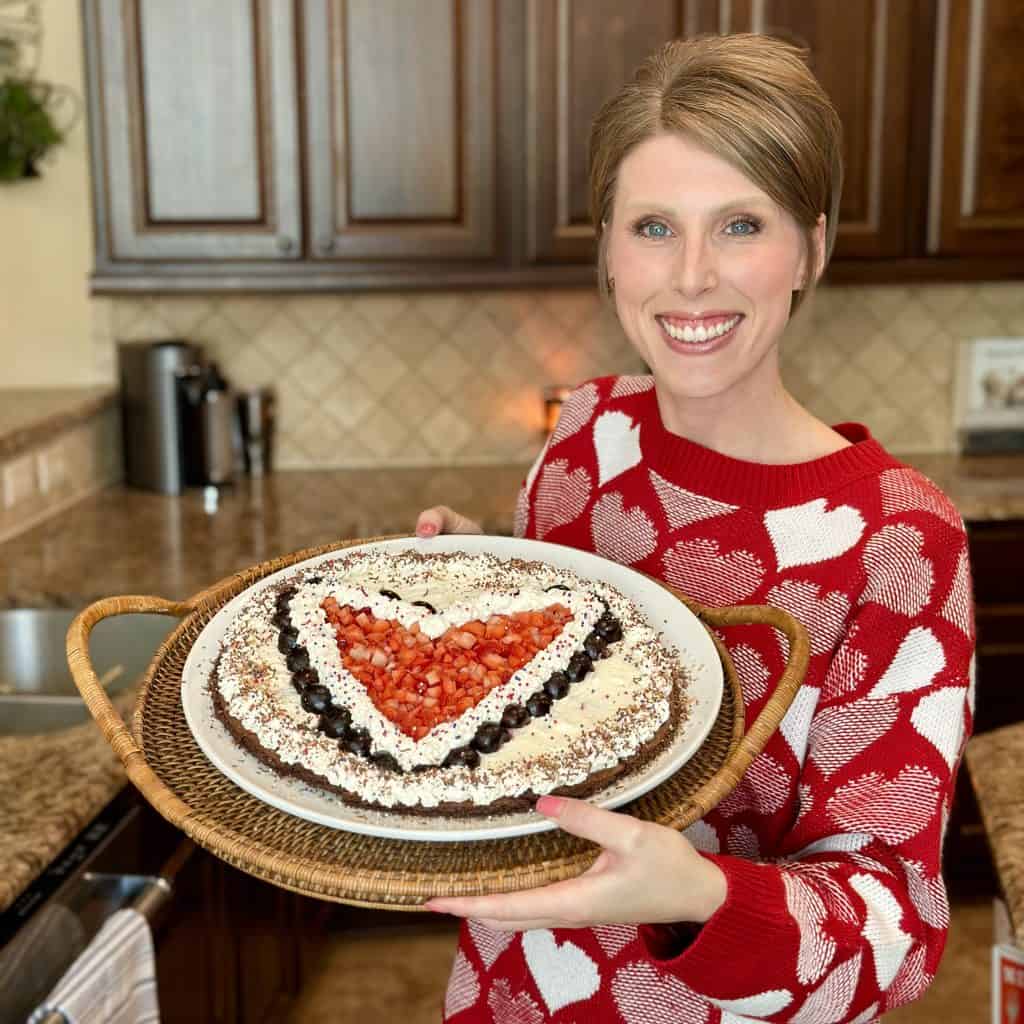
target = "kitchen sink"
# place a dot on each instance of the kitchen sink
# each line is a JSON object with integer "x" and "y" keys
{"x": 37, "y": 692}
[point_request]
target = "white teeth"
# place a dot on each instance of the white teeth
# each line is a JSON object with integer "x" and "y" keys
{"x": 701, "y": 333}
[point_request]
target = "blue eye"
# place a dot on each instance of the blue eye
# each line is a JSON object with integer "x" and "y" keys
{"x": 753, "y": 226}
{"x": 653, "y": 229}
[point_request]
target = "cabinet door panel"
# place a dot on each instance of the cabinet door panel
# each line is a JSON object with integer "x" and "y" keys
{"x": 401, "y": 128}
{"x": 199, "y": 129}
{"x": 977, "y": 186}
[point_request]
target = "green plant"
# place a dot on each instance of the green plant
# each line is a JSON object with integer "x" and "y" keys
{"x": 27, "y": 128}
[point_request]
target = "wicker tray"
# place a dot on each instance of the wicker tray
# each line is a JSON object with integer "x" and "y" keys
{"x": 162, "y": 759}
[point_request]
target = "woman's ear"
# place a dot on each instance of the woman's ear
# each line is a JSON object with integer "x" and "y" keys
{"x": 819, "y": 255}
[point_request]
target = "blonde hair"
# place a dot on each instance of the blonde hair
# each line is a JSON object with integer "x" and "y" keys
{"x": 753, "y": 101}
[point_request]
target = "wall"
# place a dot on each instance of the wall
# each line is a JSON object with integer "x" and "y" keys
{"x": 46, "y": 317}
{"x": 422, "y": 378}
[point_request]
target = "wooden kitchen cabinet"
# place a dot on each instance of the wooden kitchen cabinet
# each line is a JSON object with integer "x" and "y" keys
{"x": 331, "y": 144}
{"x": 194, "y": 131}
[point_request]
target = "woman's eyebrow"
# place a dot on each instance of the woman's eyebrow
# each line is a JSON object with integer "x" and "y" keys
{"x": 657, "y": 207}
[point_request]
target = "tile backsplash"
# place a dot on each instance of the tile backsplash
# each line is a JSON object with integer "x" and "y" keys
{"x": 431, "y": 378}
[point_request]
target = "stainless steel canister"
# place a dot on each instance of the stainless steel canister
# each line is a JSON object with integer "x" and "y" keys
{"x": 256, "y": 416}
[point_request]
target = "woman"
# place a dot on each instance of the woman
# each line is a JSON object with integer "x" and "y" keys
{"x": 813, "y": 892}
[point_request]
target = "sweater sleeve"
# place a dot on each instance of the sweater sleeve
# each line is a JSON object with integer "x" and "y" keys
{"x": 849, "y": 918}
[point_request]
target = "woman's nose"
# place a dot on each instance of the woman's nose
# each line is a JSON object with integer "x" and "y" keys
{"x": 696, "y": 269}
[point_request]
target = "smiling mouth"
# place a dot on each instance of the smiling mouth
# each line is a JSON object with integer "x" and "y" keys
{"x": 697, "y": 331}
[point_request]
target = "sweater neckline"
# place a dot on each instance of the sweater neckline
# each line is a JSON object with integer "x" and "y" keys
{"x": 767, "y": 485}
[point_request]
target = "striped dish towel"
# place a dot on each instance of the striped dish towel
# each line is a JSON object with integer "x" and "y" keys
{"x": 113, "y": 981}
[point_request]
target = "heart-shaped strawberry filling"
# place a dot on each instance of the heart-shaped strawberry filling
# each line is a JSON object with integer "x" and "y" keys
{"x": 417, "y": 682}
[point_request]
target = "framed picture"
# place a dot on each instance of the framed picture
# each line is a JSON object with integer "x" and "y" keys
{"x": 990, "y": 394}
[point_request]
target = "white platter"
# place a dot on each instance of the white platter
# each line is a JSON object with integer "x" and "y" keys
{"x": 679, "y": 628}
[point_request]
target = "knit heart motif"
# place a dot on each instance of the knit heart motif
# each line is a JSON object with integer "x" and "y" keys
{"x": 576, "y": 413}
{"x": 802, "y": 534}
{"x": 906, "y": 490}
{"x": 824, "y": 615}
{"x": 763, "y": 789}
{"x": 489, "y": 944}
{"x": 958, "y": 607}
{"x": 622, "y": 536}
{"x": 509, "y": 1009}
{"x": 617, "y": 444}
{"x": 817, "y": 950}
{"x": 832, "y": 998}
{"x": 563, "y": 973}
{"x": 888, "y": 941}
{"x": 561, "y": 496}
{"x": 939, "y": 718}
{"x": 683, "y": 507}
{"x": 463, "y": 987}
{"x": 899, "y": 575}
{"x": 643, "y": 996}
{"x": 417, "y": 682}
{"x": 634, "y": 385}
{"x": 893, "y": 809}
{"x": 699, "y": 569}
{"x": 919, "y": 659}
{"x": 614, "y": 938}
{"x": 752, "y": 671}
{"x": 839, "y": 734}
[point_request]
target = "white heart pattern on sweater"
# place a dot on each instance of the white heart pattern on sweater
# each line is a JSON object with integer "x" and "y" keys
{"x": 828, "y": 1003}
{"x": 614, "y": 938}
{"x": 509, "y": 1009}
{"x": 893, "y": 809}
{"x": 576, "y": 413}
{"x": 919, "y": 659}
{"x": 900, "y": 577}
{"x": 808, "y": 533}
{"x": 701, "y": 571}
{"x": 824, "y": 616}
{"x": 906, "y": 490}
{"x": 563, "y": 973}
{"x": 631, "y": 385}
{"x": 761, "y": 1005}
{"x": 847, "y": 669}
{"x": 752, "y": 671}
{"x": 643, "y": 996}
{"x": 928, "y": 894}
{"x": 939, "y": 718}
{"x": 841, "y": 733}
{"x": 561, "y": 496}
{"x": 816, "y": 949}
{"x": 683, "y": 507}
{"x": 795, "y": 722}
{"x": 489, "y": 944}
{"x": 624, "y": 537}
{"x": 617, "y": 443}
{"x": 463, "y": 987}
{"x": 764, "y": 789}
{"x": 888, "y": 941}
{"x": 958, "y": 607}
{"x": 742, "y": 842}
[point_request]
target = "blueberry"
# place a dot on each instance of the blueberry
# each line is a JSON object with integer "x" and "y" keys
{"x": 488, "y": 738}
{"x": 426, "y": 604}
{"x": 515, "y": 716}
{"x": 538, "y": 704}
{"x": 282, "y": 618}
{"x": 579, "y": 665}
{"x": 314, "y": 579}
{"x": 288, "y": 639}
{"x": 557, "y": 685}
{"x": 382, "y": 759}
{"x": 305, "y": 677}
{"x": 558, "y": 586}
{"x": 467, "y": 757}
{"x": 284, "y": 597}
{"x": 608, "y": 628}
{"x": 356, "y": 741}
{"x": 595, "y": 646}
{"x": 390, "y": 594}
{"x": 297, "y": 659}
{"x": 334, "y": 722}
{"x": 316, "y": 699}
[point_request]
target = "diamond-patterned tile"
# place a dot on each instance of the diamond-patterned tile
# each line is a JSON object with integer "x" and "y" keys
{"x": 220, "y": 337}
{"x": 314, "y": 312}
{"x": 855, "y": 387}
{"x": 444, "y": 368}
{"x": 446, "y": 431}
{"x": 508, "y": 309}
{"x": 315, "y": 374}
{"x": 442, "y": 310}
{"x": 381, "y": 310}
{"x": 348, "y": 402}
{"x": 349, "y": 337}
{"x": 571, "y": 306}
{"x": 381, "y": 435}
{"x": 250, "y": 312}
{"x": 184, "y": 313}
{"x": 148, "y": 327}
{"x": 127, "y": 311}
{"x": 283, "y": 341}
{"x": 880, "y": 358}
{"x": 943, "y": 300}
{"x": 249, "y": 368}
{"x": 380, "y": 370}
{"x": 414, "y": 400}
{"x": 478, "y": 337}
{"x": 412, "y": 339}
{"x": 1003, "y": 298}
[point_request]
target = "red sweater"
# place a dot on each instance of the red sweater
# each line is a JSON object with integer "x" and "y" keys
{"x": 836, "y": 910}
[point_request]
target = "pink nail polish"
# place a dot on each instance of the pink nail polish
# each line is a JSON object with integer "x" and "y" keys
{"x": 550, "y": 806}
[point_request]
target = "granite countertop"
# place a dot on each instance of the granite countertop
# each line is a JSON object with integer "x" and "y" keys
{"x": 994, "y": 762}
{"x": 124, "y": 541}
{"x": 31, "y": 416}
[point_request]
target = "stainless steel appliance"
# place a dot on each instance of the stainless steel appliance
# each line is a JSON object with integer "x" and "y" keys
{"x": 151, "y": 413}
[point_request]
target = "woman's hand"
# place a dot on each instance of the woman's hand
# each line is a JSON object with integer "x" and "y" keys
{"x": 441, "y": 519}
{"x": 645, "y": 874}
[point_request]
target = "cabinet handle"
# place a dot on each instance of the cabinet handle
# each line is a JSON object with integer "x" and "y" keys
{"x": 327, "y": 245}
{"x": 285, "y": 244}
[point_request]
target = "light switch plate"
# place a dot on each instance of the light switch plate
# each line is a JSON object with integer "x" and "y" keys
{"x": 19, "y": 480}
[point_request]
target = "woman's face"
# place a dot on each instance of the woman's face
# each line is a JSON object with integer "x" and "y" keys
{"x": 704, "y": 265}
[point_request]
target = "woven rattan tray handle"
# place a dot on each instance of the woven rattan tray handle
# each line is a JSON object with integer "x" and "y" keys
{"x": 98, "y": 702}
{"x": 752, "y": 742}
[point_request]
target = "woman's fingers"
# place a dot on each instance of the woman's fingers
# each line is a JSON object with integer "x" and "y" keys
{"x": 441, "y": 519}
